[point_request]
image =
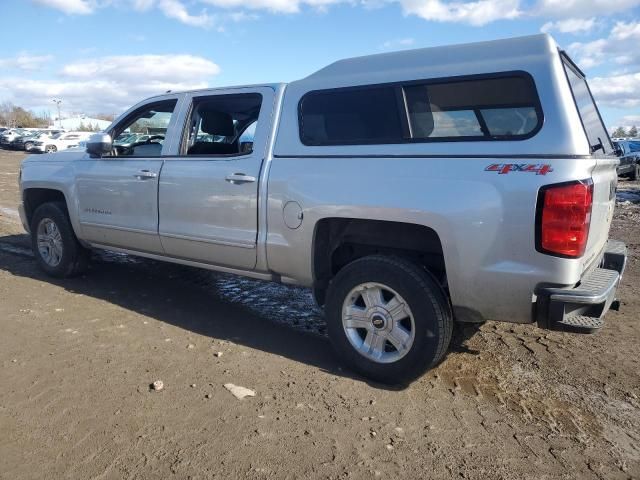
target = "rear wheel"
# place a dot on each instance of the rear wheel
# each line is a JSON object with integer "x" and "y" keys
{"x": 54, "y": 244}
{"x": 388, "y": 319}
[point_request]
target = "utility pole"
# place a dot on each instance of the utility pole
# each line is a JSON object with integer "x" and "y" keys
{"x": 58, "y": 102}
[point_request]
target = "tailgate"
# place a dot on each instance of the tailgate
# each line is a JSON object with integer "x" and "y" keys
{"x": 605, "y": 180}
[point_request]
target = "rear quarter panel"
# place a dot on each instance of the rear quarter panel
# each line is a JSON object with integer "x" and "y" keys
{"x": 485, "y": 220}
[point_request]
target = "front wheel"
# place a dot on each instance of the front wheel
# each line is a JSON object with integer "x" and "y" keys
{"x": 28, "y": 146}
{"x": 51, "y": 149}
{"x": 388, "y": 318}
{"x": 54, "y": 243}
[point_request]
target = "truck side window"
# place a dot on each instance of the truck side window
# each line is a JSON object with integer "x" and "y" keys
{"x": 504, "y": 107}
{"x": 222, "y": 125}
{"x": 142, "y": 133}
{"x": 492, "y": 107}
{"x": 351, "y": 116}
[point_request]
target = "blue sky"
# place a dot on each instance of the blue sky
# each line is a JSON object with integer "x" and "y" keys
{"x": 101, "y": 56}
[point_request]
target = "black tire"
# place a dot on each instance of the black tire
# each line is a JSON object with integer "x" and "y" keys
{"x": 426, "y": 299}
{"x": 27, "y": 146}
{"x": 75, "y": 258}
{"x": 50, "y": 149}
{"x": 635, "y": 174}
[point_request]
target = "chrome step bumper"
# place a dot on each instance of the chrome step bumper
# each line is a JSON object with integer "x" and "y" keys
{"x": 582, "y": 308}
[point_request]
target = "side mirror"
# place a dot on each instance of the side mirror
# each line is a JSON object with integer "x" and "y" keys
{"x": 99, "y": 144}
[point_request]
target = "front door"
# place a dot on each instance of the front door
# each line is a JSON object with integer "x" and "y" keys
{"x": 208, "y": 197}
{"x": 118, "y": 194}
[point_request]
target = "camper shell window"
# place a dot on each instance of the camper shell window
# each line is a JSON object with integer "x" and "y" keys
{"x": 481, "y": 107}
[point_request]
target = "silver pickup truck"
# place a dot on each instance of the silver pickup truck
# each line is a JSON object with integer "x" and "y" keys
{"x": 409, "y": 190}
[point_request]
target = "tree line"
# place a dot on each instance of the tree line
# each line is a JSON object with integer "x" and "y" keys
{"x": 14, "y": 116}
{"x": 620, "y": 132}
{"x": 18, "y": 117}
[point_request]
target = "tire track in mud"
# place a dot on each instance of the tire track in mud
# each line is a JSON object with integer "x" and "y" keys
{"x": 501, "y": 382}
{"x": 287, "y": 305}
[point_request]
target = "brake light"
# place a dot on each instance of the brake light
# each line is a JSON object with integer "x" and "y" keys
{"x": 564, "y": 215}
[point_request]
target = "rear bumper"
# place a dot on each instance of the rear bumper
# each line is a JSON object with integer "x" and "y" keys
{"x": 582, "y": 308}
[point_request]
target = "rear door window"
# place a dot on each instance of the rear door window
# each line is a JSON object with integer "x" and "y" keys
{"x": 223, "y": 125}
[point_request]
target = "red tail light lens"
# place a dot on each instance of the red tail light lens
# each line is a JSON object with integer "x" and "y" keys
{"x": 564, "y": 215}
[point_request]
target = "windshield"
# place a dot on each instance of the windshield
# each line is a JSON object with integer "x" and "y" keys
{"x": 593, "y": 126}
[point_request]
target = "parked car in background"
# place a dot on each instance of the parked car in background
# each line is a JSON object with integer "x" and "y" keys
{"x": 40, "y": 136}
{"x": 21, "y": 140}
{"x": 134, "y": 139}
{"x": 59, "y": 142}
{"x": 629, "y": 153}
{"x": 9, "y": 136}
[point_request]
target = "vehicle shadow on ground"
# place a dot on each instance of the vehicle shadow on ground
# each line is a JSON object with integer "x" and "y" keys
{"x": 183, "y": 297}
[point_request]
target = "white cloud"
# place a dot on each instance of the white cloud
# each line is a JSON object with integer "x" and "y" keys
{"x": 566, "y": 16}
{"x": 625, "y": 31}
{"x": 581, "y": 8}
{"x": 176, "y": 10}
{"x": 111, "y": 84}
{"x": 280, "y": 6}
{"x": 629, "y": 120}
{"x": 140, "y": 67}
{"x": 476, "y": 13}
{"x": 620, "y": 91}
{"x": 71, "y": 7}
{"x": 25, "y": 61}
{"x": 570, "y": 25}
{"x": 620, "y": 47}
{"x": 398, "y": 43}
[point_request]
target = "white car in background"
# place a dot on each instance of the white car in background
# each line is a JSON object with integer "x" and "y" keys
{"x": 60, "y": 142}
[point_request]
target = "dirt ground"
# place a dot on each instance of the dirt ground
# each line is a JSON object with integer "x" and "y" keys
{"x": 77, "y": 357}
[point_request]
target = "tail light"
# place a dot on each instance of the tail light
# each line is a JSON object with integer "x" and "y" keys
{"x": 563, "y": 218}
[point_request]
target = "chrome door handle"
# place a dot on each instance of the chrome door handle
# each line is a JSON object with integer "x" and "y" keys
{"x": 240, "y": 178}
{"x": 145, "y": 175}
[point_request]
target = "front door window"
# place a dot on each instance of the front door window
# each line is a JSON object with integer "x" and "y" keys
{"x": 142, "y": 133}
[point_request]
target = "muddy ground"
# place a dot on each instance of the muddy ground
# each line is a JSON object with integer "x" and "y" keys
{"x": 77, "y": 357}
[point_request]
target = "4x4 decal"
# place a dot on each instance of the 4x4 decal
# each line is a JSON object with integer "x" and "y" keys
{"x": 504, "y": 168}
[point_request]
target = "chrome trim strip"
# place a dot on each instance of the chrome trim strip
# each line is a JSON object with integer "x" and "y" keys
{"x": 213, "y": 241}
{"x": 116, "y": 227}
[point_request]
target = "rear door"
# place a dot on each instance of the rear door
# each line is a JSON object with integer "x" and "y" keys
{"x": 208, "y": 193}
{"x": 604, "y": 176}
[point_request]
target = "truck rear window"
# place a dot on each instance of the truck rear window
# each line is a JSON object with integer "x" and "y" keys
{"x": 478, "y": 108}
{"x": 587, "y": 109}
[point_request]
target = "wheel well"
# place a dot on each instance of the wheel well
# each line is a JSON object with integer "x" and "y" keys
{"x": 34, "y": 197}
{"x": 339, "y": 241}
